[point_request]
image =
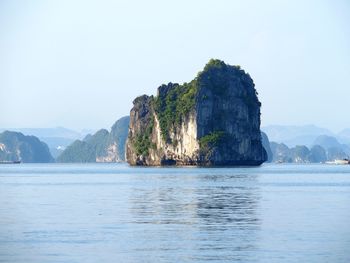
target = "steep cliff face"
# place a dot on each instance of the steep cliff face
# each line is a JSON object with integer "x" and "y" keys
{"x": 266, "y": 144}
{"x": 213, "y": 120}
{"x": 103, "y": 146}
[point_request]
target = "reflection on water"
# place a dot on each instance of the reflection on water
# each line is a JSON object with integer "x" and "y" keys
{"x": 220, "y": 208}
{"x": 115, "y": 213}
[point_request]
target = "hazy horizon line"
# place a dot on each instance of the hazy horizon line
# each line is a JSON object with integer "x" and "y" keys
{"x": 94, "y": 129}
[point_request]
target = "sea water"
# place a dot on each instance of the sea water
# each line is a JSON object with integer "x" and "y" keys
{"x": 116, "y": 213}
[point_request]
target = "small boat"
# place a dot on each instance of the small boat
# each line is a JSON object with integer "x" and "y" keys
{"x": 339, "y": 161}
{"x": 10, "y": 162}
{"x": 344, "y": 161}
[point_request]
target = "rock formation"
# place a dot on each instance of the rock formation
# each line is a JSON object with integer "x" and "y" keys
{"x": 14, "y": 146}
{"x": 103, "y": 146}
{"x": 212, "y": 120}
{"x": 266, "y": 144}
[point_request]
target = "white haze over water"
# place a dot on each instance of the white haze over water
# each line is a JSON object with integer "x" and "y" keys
{"x": 79, "y": 64}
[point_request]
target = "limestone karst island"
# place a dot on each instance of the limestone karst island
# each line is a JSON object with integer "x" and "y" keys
{"x": 213, "y": 120}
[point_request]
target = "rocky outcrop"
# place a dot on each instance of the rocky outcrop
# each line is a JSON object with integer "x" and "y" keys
{"x": 302, "y": 154}
{"x": 266, "y": 144}
{"x": 14, "y": 146}
{"x": 213, "y": 120}
{"x": 103, "y": 146}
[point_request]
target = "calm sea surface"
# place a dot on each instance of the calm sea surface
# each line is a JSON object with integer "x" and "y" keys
{"x": 115, "y": 213}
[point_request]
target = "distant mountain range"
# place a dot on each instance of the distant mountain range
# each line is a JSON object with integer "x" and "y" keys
{"x": 302, "y": 135}
{"x": 281, "y": 153}
{"x": 60, "y": 132}
{"x": 57, "y": 138}
{"x": 344, "y": 136}
{"x": 305, "y": 144}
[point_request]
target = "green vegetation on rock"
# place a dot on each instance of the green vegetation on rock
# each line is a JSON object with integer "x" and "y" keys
{"x": 173, "y": 106}
{"x": 86, "y": 151}
{"x": 97, "y": 146}
{"x": 143, "y": 143}
{"x": 99, "y": 141}
{"x": 216, "y": 75}
{"x": 78, "y": 152}
{"x": 175, "y": 101}
{"x": 212, "y": 139}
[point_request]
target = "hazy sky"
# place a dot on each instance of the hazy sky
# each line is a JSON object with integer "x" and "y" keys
{"x": 79, "y": 64}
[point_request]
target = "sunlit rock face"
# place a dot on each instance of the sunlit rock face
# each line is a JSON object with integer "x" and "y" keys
{"x": 212, "y": 120}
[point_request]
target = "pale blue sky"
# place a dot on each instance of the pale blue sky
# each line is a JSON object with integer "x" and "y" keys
{"x": 79, "y": 64}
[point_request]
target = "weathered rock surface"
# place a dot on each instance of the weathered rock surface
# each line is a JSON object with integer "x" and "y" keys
{"x": 103, "y": 146}
{"x": 213, "y": 120}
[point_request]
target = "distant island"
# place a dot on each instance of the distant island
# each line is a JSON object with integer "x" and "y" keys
{"x": 325, "y": 148}
{"x": 103, "y": 146}
{"x": 212, "y": 120}
{"x": 16, "y": 147}
{"x": 307, "y": 144}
